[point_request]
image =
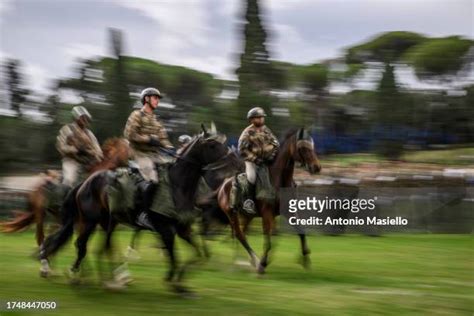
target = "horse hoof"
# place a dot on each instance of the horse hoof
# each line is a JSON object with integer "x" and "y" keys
{"x": 44, "y": 273}
{"x": 305, "y": 261}
{"x": 122, "y": 275}
{"x": 132, "y": 254}
{"x": 244, "y": 263}
{"x": 74, "y": 277}
{"x": 113, "y": 285}
{"x": 125, "y": 280}
{"x": 261, "y": 269}
{"x": 184, "y": 292}
{"x": 189, "y": 295}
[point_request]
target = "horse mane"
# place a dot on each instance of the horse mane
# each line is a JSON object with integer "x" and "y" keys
{"x": 289, "y": 133}
{"x": 113, "y": 157}
{"x": 110, "y": 145}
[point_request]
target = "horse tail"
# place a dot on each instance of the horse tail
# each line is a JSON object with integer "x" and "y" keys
{"x": 20, "y": 222}
{"x": 69, "y": 212}
{"x": 21, "y": 219}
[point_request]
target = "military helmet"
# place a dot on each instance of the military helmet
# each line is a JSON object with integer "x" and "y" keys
{"x": 256, "y": 112}
{"x": 184, "y": 139}
{"x": 79, "y": 111}
{"x": 149, "y": 92}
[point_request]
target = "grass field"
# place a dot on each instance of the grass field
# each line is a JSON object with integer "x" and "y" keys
{"x": 449, "y": 157}
{"x": 350, "y": 275}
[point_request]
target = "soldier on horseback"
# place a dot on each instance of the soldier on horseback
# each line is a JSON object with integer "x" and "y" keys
{"x": 148, "y": 137}
{"x": 258, "y": 147}
{"x": 150, "y": 144}
{"x": 78, "y": 147}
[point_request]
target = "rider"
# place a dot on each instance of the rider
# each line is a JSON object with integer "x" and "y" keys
{"x": 258, "y": 147}
{"x": 78, "y": 146}
{"x": 150, "y": 144}
{"x": 183, "y": 140}
{"x": 148, "y": 137}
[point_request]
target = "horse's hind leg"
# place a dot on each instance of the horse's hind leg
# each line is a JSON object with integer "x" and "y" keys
{"x": 81, "y": 244}
{"x": 267, "y": 223}
{"x": 108, "y": 225}
{"x": 306, "y": 261}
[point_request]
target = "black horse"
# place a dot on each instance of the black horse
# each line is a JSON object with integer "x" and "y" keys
{"x": 88, "y": 203}
{"x": 211, "y": 215}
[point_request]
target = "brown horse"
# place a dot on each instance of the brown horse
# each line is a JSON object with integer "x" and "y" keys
{"x": 115, "y": 152}
{"x": 297, "y": 146}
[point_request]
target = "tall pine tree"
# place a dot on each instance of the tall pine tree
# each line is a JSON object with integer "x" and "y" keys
{"x": 118, "y": 93}
{"x": 255, "y": 68}
{"x": 14, "y": 83}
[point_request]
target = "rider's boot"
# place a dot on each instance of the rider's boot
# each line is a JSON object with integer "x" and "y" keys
{"x": 147, "y": 199}
{"x": 249, "y": 204}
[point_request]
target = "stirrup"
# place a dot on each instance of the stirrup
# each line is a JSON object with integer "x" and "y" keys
{"x": 249, "y": 207}
{"x": 143, "y": 221}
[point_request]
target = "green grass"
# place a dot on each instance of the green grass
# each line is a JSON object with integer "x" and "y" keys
{"x": 453, "y": 156}
{"x": 456, "y": 156}
{"x": 351, "y": 275}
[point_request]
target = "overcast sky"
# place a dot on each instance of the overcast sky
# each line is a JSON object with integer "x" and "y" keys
{"x": 49, "y": 35}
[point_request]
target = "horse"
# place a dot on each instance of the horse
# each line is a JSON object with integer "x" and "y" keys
{"x": 297, "y": 146}
{"x": 88, "y": 202}
{"x": 115, "y": 150}
{"x": 212, "y": 178}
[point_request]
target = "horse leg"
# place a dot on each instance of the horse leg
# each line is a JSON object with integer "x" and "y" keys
{"x": 205, "y": 230}
{"x": 132, "y": 253}
{"x": 267, "y": 224}
{"x": 234, "y": 223}
{"x": 306, "y": 261}
{"x": 45, "y": 269}
{"x": 39, "y": 215}
{"x": 108, "y": 225}
{"x": 81, "y": 245}
{"x": 185, "y": 233}
{"x": 246, "y": 224}
{"x": 163, "y": 226}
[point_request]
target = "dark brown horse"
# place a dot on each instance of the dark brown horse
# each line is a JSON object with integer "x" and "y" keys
{"x": 38, "y": 205}
{"x": 297, "y": 146}
{"x": 89, "y": 203}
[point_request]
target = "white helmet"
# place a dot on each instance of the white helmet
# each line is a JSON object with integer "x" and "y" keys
{"x": 149, "y": 92}
{"x": 79, "y": 111}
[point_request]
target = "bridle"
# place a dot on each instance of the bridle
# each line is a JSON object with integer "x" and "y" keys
{"x": 186, "y": 151}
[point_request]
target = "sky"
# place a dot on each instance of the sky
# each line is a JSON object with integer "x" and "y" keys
{"x": 48, "y": 36}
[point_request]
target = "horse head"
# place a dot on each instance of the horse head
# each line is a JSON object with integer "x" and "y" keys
{"x": 305, "y": 152}
{"x": 207, "y": 147}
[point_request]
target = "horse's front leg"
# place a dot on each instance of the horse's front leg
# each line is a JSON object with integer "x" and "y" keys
{"x": 267, "y": 224}
{"x": 237, "y": 230}
{"x": 305, "y": 261}
{"x": 185, "y": 233}
{"x": 39, "y": 214}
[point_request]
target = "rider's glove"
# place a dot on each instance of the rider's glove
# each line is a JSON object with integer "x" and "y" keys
{"x": 154, "y": 142}
{"x": 82, "y": 152}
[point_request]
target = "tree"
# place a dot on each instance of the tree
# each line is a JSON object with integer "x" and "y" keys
{"x": 255, "y": 67}
{"x": 118, "y": 94}
{"x": 14, "y": 82}
{"x": 441, "y": 58}
{"x": 388, "y": 49}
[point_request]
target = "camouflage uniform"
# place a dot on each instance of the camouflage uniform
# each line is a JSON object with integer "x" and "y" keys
{"x": 140, "y": 128}
{"x": 257, "y": 147}
{"x": 79, "y": 149}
